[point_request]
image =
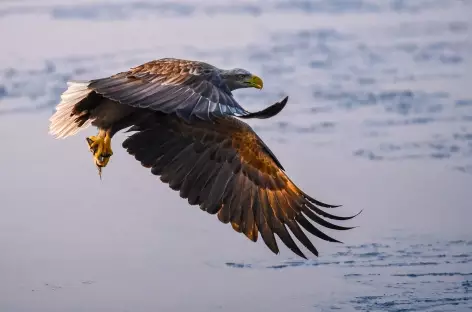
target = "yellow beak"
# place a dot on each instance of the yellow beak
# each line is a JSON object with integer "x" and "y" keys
{"x": 256, "y": 82}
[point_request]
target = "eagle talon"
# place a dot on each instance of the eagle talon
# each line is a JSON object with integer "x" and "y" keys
{"x": 100, "y": 146}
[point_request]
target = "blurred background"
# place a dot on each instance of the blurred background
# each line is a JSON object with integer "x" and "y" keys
{"x": 379, "y": 119}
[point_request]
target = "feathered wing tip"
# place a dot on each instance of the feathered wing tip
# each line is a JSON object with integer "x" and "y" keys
{"x": 268, "y": 112}
{"x": 64, "y": 122}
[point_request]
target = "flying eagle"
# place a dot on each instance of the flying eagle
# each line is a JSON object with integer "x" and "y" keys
{"x": 183, "y": 114}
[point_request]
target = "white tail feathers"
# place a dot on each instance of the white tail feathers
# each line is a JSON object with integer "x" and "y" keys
{"x": 62, "y": 123}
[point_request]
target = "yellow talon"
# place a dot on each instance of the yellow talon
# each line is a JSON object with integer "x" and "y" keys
{"x": 100, "y": 146}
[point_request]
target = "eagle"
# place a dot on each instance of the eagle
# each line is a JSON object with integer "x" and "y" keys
{"x": 187, "y": 128}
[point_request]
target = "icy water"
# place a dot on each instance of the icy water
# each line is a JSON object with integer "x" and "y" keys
{"x": 379, "y": 119}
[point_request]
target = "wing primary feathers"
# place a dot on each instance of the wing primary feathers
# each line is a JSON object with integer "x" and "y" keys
{"x": 248, "y": 218}
{"x": 313, "y": 216}
{"x": 239, "y": 201}
{"x": 278, "y": 226}
{"x": 313, "y": 230}
{"x": 328, "y": 215}
{"x": 268, "y": 112}
{"x": 297, "y": 231}
{"x": 224, "y": 214}
{"x": 284, "y": 235}
{"x": 259, "y": 205}
{"x": 317, "y": 202}
{"x": 293, "y": 225}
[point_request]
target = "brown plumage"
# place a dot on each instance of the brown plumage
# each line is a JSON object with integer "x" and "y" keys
{"x": 182, "y": 113}
{"x": 226, "y": 169}
{"x": 188, "y": 88}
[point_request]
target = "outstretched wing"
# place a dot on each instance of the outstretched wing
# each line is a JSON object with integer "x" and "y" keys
{"x": 226, "y": 169}
{"x": 172, "y": 86}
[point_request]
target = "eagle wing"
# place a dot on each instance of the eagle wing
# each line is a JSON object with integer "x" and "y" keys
{"x": 172, "y": 86}
{"x": 226, "y": 169}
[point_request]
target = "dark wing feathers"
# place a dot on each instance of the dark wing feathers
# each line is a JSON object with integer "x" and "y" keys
{"x": 268, "y": 112}
{"x": 226, "y": 169}
{"x": 187, "y": 88}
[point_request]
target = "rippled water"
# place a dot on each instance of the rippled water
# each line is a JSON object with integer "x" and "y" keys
{"x": 422, "y": 275}
{"x": 379, "y": 118}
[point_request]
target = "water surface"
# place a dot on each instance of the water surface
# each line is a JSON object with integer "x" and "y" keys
{"x": 379, "y": 119}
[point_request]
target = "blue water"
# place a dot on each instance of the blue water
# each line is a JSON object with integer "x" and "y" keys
{"x": 380, "y": 95}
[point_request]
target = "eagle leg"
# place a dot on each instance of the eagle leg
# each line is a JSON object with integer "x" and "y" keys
{"x": 100, "y": 146}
